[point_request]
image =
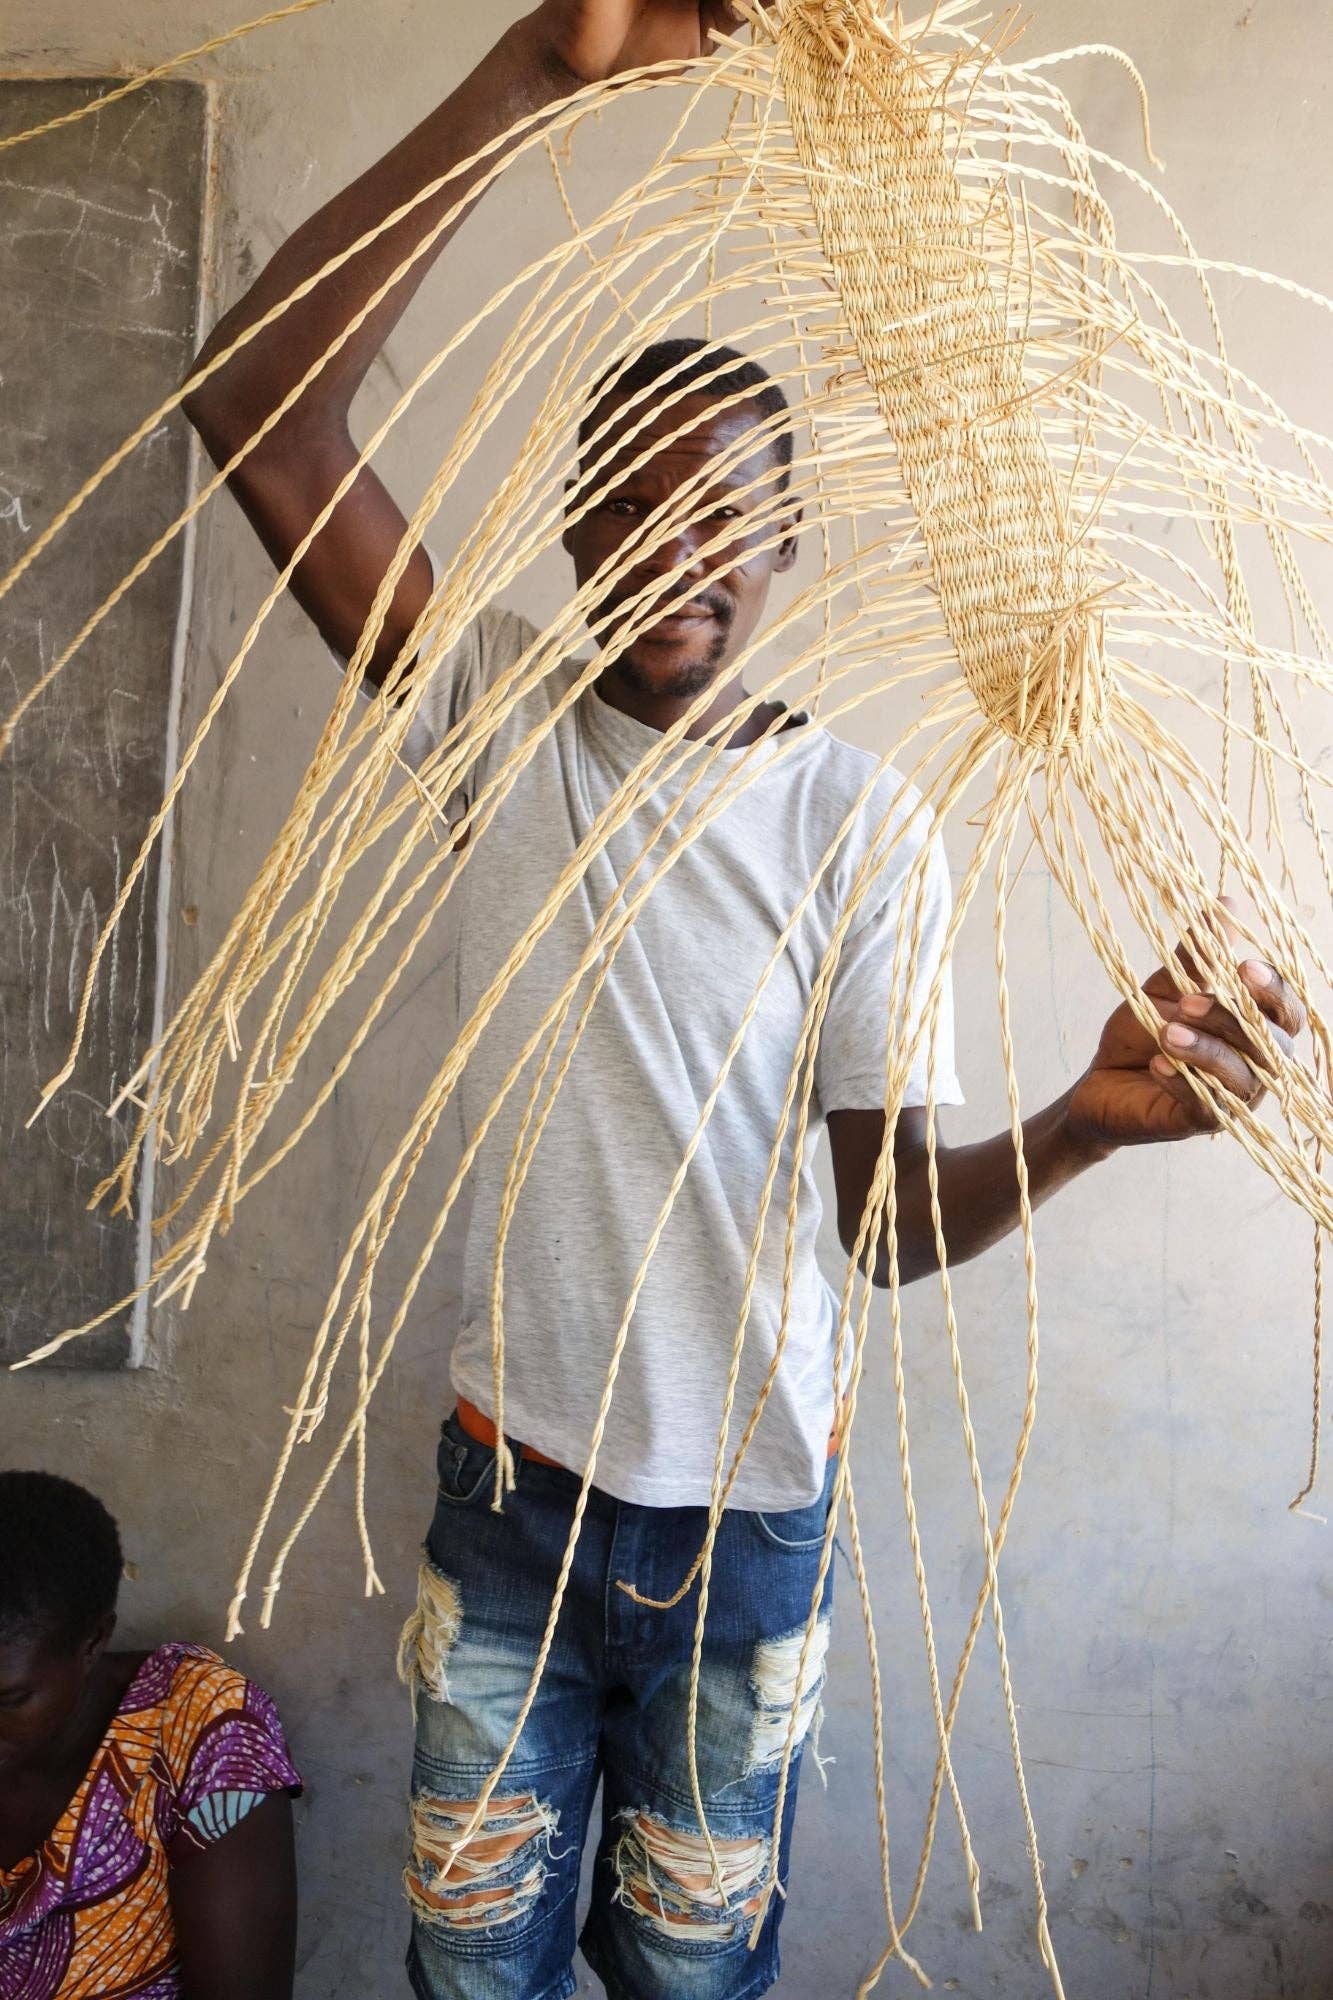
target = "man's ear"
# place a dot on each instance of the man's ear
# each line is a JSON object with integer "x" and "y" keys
{"x": 786, "y": 554}
{"x": 567, "y": 531}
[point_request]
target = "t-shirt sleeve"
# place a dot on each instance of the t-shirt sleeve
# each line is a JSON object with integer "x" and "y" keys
{"x": 863, "y": 1010}
{"x": 486, "y": 648}
{"x": 223, "y": 1750}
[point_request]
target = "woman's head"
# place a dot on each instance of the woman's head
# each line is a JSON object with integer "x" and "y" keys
{"x": 60, "y": 1568}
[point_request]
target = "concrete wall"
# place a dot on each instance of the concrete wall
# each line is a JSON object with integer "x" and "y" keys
{"x": 1168, "y": 1619}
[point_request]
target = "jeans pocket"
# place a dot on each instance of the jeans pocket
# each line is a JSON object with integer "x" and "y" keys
{"x": 799, "y": 1529}
{"x": 464, "y": 1466}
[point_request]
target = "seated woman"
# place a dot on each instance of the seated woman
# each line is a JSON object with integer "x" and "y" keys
{"x": 145, "y": 1798}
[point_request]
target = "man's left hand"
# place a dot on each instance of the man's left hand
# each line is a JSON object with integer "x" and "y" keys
{"x": 1134, "y": 1092}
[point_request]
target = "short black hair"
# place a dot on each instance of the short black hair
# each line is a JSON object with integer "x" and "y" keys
{"x": 60, "y": 1558}
{"x": 722, "y": 371}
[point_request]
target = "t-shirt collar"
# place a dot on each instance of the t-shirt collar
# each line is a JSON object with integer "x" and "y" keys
{"x": 629, "y": 741}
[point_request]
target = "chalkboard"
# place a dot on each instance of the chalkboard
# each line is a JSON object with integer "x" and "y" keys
{"x": 101, "y": 228}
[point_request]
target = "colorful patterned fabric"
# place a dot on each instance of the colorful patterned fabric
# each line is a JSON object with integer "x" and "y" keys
{"x": 192, "y": 1748}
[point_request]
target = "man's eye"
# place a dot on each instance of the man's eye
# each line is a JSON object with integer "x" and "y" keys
{"x": 620, "y": 505}
{"x": 726, "y": 513}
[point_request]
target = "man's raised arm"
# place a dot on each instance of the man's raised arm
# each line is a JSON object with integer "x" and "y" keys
{"x": 287, "y": 480}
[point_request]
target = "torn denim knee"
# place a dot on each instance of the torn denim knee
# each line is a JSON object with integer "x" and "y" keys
{"x": 665, "y": 1876}
{"x": 495, "y": 1878}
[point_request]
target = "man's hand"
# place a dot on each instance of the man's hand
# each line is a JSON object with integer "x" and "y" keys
{"x": 1134, "y": 1091}
{"x": 596, "y": 39}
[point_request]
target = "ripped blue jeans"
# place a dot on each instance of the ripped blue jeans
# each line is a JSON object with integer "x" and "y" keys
{"x": 496, "y": 1920}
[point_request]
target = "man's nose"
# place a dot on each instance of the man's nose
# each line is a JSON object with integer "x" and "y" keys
{"x": 679, "y": 555}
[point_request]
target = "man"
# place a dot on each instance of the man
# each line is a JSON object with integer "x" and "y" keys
{"x": 612, "y": 1703}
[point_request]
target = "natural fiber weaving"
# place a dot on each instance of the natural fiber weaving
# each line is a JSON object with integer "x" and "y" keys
{"x": 999, "y": 412}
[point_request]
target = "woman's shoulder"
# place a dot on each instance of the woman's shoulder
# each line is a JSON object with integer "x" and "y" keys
{"x": 181, "y": 1678}
{"x": 193, "y": 1695}
{"x": 217, "y": 1739}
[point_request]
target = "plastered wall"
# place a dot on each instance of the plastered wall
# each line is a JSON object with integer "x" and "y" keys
{"x": 1168, "y": 1620}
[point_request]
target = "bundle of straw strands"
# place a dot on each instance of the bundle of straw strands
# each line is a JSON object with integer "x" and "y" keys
{"x": 1000, "y": 411}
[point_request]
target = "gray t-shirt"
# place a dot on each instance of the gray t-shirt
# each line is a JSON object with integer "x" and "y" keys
{"x": 648, "y": 1059}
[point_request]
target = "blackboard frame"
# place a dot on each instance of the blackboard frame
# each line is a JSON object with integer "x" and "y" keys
{"x": 103, "y": 248}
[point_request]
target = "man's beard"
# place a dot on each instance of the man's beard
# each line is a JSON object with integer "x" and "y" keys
{"x": 692, "y": 676}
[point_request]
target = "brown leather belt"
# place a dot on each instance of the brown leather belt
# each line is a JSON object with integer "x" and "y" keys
{"x": 482, "y": 1431}
{"x": 480, "y": 1428}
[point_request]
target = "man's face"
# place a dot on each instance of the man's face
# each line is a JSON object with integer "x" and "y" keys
{"x": 713, "y": 602}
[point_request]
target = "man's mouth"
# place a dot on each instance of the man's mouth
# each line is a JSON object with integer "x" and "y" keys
{"x": 681, "y": 622}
